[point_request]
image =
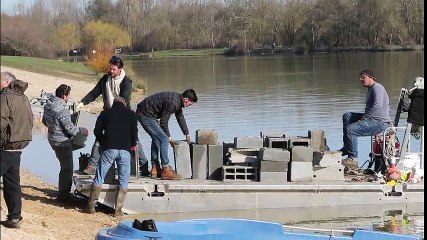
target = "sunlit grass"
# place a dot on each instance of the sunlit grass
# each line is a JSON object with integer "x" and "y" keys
{"x": 57, "y": 68}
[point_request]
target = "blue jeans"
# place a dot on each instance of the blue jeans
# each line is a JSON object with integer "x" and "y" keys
{"x": 122, "y": 158}
{"x": 353, "y": 128}
{"x": 159, "y": 139}
{"x": 97, "y": 151}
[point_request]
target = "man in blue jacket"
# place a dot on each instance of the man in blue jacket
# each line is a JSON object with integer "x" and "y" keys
{"x": 116, "y": 131}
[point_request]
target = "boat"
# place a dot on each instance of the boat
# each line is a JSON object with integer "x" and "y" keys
{"x": 255, "y": 175}
{"x": 230, "y": 229}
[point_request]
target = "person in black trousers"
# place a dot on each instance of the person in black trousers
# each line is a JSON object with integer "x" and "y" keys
{"x": 16, "y": 133}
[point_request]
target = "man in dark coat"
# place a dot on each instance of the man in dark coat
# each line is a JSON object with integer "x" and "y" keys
{"x": 16, "y": 121}
{"x": 116, "y": 131}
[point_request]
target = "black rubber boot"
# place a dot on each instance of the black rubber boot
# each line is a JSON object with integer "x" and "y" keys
{"x": 120, "y": 201}
{"x": 94, "y": 195}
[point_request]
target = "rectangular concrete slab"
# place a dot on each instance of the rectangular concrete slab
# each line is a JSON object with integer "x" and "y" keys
{"x": 301, "y": 172}
{"x": 273, "y": 177}
{"x": 199, "y": 161}
{"x": 273, "y": 166}
{"x": 248, "y": 142}
{"x": 274, "y": 154}
{"x": 332, "y": 173}
{"x": 182, "y": 159}
{"x": 318, "y": 140}
{"x": 215, "y": 161}
{"x": 302, "y": 154}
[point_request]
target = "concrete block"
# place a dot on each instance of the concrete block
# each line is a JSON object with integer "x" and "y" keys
{"x": 199, "y": 161}
{"x": 182, "y": 159}
{"x": 273, "y": 142}
{"x": 245, "y": 173}
{"x": 301, "y": 172}
{"x": 273, "y": 134}
{"x": 318, "y": 140}
{"x": 299, "y": 141}
{"x": 215, "y": 161}
{"x": 248, "y": 142}
{"x": 246, "y": 156}
{"x": 274, "y": 154}
{"x": 330, "y": 158}
{"x": 227, "y": 147}
{"x": 302, "y": 154}
{"x": 331, "y": 173}
{"x": 273, "y": 166}
{"x": 206, "y": 137}
{"x": 273, "y": 177}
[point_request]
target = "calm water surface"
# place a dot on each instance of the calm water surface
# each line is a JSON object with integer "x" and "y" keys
{"x": 242, "y": 96}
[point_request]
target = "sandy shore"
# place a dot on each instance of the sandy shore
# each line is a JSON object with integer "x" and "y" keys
{"x": 43, "y": 217}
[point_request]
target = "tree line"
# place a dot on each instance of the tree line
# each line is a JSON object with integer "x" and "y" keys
{"x": 49, "y": 28}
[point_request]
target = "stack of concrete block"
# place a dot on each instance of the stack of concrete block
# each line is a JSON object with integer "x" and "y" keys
{"x": 329, "y": 168}
{"x": 207, "y": 155}
{"x": 274, "y": 165}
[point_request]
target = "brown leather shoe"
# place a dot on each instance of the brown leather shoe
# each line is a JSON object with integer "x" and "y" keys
{"x": 169, "y": 174}
{"x": 156, "y": 171}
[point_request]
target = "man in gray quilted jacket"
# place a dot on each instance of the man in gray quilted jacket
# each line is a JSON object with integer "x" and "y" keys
{"x": 57, "y": 118}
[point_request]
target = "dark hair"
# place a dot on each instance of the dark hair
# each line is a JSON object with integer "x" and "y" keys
{"x": 368, "y": 72}
{"x": 63, "y": 90}
{"x": 190, "y": 94}
{"x": 116, "y": 61}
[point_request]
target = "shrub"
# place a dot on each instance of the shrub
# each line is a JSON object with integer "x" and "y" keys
{"x": 98, "y": 61}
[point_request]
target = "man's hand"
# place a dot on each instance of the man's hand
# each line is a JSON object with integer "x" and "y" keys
{"x": 79, "y": 107}
{"x": 173, "y": 142}
{"x": 86, "y": 131}
{"x": 134, "y": 148}
{"x": 188, "y": 138}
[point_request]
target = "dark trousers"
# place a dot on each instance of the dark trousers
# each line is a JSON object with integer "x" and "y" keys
{"x": 65, "y": 156}
{"x": 9, "y": 169}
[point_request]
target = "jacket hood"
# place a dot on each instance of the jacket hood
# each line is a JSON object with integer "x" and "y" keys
{"x": 18, "y": 86}
{"x": 54, "y": 103}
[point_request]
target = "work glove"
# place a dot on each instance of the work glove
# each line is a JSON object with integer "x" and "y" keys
{"x": 79, "y": 107}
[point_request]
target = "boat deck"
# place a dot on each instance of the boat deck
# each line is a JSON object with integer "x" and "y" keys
{"x": 148, "y": 195}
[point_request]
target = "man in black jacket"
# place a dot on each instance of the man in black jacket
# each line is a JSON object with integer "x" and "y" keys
{"x": 112, "y": 85}
{"x": 161, "y": 106}
{"x": 16, "y": 123}
{"x": 116, "y": 131}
